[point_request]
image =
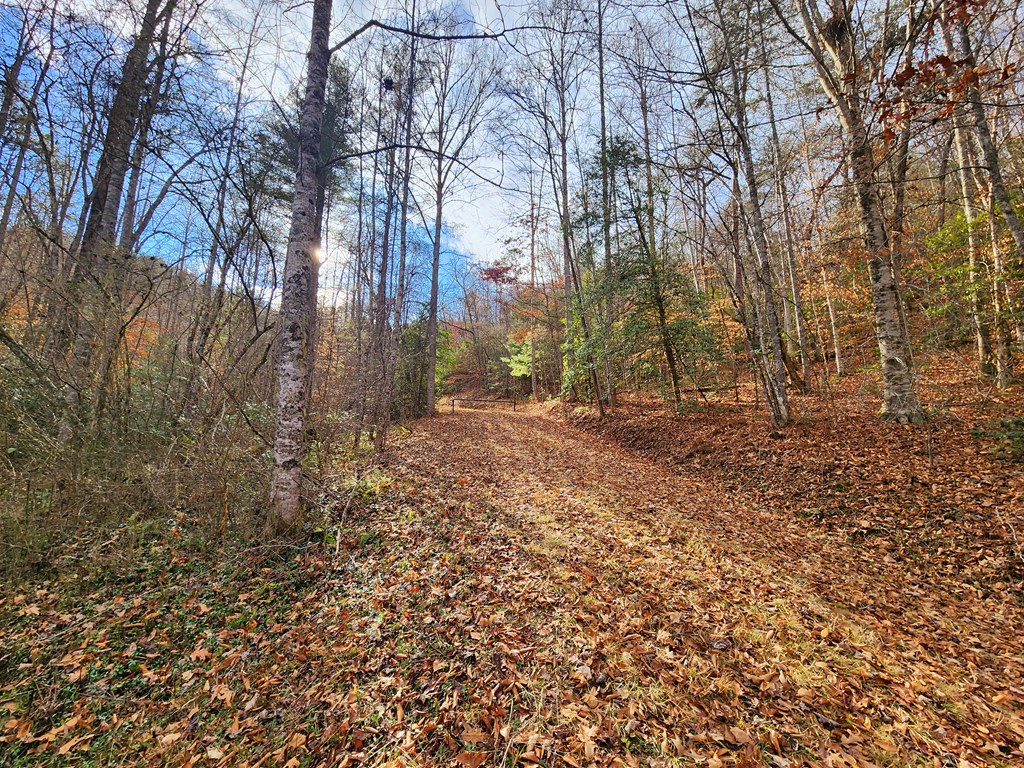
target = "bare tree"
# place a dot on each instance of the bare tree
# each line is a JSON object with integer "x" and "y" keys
{"x": 462, "y": 83}
{"x": 846, "y": 64}
{"x": 298, "y": 288}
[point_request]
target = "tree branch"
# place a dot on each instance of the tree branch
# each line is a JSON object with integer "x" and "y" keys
{"x": 375, "y": 24}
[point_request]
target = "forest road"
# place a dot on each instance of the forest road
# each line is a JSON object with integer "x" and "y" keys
{"x": 681, "y": 609}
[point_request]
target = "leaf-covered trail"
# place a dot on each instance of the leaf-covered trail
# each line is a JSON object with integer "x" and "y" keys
{"x": 678, "y": 622}
{"x": 508, "y": 590}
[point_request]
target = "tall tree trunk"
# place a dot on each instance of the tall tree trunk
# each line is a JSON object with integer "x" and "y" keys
{"x": 23, "y": 143}
{"x": 739, "y": 293}
{"x": 606, "y": 208}
{"x": 122, "y": 127}
{"x": 573, "y": 287}
{"x": 303, "y": 242}
{"x": 986, "y": 141}
{"x": 787, "y": 225}
{"x": 774, "y": 360}
{"x": 97, "y": 272}
{"x": 12, "y": 72}
{"x": 899, "y": 400}
{"x": 391, "y": 363}
{"x": 1000, "y": 305}
{"x": 833, "y": 324}
{"x": 382, "y": 335}
{"x": 533, "y": 292}
{"x": 146, "y": 114}
{"x": 649, "y": 242}
{"x": 840, "y": 73}
{"x": 965, "y": 161}
{"x": 562, "y": 195}
{"x": 435, "y": 270}
{"x": 365, "y": 310}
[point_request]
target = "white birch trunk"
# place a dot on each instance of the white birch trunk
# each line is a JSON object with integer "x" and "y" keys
{"x": 298, "y": 290}
{"x": 838, "y": 69}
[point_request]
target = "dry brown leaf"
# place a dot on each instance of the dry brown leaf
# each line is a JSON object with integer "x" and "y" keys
{"x": 473, "y": 735}
{"x": 472, "y": 759}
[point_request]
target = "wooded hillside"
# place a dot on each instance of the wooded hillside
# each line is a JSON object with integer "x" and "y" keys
{"x": 731, "y": 294}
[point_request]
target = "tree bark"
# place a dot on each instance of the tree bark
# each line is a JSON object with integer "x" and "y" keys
{"x": 787, "y": 225}
{"x": 774, "y": 360}
{"x": 95, "y": 277}
{"x": 899, "y": 400}
{"x": 435, "y": 270}
{"x": 297, "y": 289}
{"x": 394, "y": 339}
{"x": 982, "y": 337}
{"x": 533, "y": 292}
{"x": 606, "y": 208}
{"x": 989, "y": 151}
{"x": 833, "y": 325}
{"x": 841, "y": 75}
{"x": 1000, "y": 306}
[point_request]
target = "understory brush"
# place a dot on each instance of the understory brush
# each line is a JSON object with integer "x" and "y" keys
{"x": 203, "y": 476}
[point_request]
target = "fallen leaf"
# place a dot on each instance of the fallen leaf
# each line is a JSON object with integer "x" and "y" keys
{"x": 471, "y": 759}
{"x": 473, "y": 735}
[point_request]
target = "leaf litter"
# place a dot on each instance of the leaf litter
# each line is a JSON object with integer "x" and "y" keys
{"x": 525, "y": 592}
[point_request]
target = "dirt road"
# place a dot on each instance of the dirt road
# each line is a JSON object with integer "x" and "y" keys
{"x": 622, "y": 611}
{"x": 508, "y": 590}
